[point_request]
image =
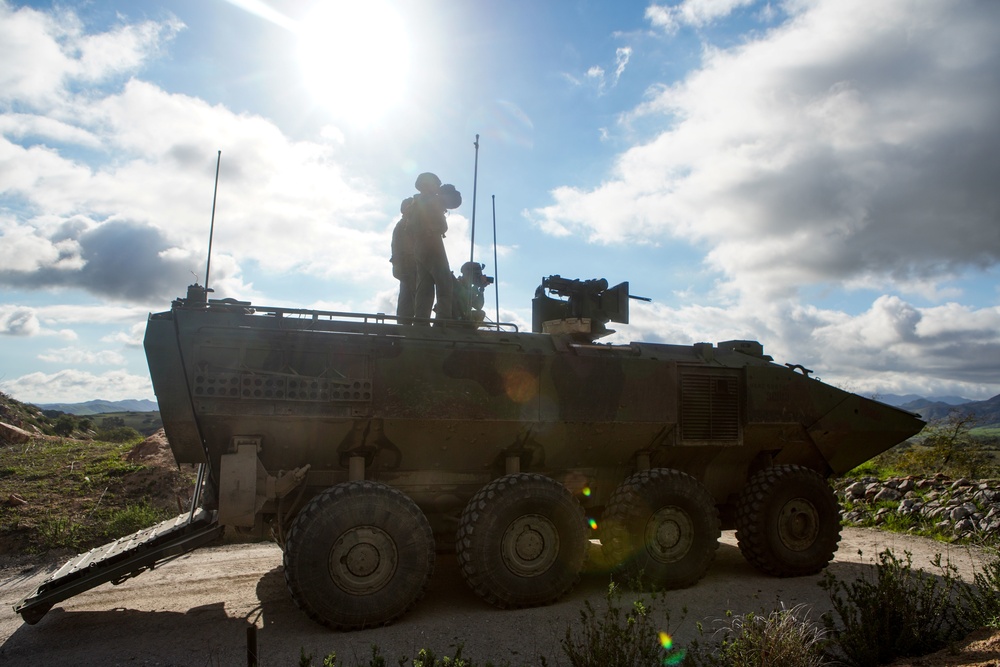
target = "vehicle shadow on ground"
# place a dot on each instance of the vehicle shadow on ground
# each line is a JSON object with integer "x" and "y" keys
{"x": 201, "y": 635}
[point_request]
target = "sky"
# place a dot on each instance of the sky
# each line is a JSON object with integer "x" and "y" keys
{"x": 822, "y": 176}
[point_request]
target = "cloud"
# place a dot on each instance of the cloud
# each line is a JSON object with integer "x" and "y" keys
{"x": 131, "y": 338}
{"x": 136, "y": 228}
{"x": 844, "y": 146}
{"x": 622, "y": 55}
{"x": 892, "y": 347}
{"x": 45, "y": 54}
{"x": 70, "y": 385}
{"x": 696, "y": 13}
{"x": 121, "y": 259}
{"x": 76, "y": 355}
{"x": 18, "y": 321}
{"x": 597, "y": 74}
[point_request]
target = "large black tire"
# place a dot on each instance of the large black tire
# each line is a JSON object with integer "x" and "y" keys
{"x": 521, "y": 541}
{"x": 660, "y": 529}
{"x": 358, "y": 555}
{"x": 788, "y": 521}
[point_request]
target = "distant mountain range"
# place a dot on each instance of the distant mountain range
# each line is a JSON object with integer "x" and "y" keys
{"x": 99, "y": 407}
{"x": 987, "y": 413}
{"x": 900, "y": 401}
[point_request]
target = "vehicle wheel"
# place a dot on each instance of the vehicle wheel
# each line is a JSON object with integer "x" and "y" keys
{"x": 788, "y": 521}
{"x": 661, "y": 528}
{"x": 358, "y": 555}
{"x": 521, "y": 541}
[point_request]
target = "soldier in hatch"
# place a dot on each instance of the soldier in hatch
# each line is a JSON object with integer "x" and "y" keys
{"x": 426, "y": 226}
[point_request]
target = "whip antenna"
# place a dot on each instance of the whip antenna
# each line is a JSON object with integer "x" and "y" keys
{"x": 475, "y": 178}
{"x": 496, "y": 270}
{"x": 211, "y": 229}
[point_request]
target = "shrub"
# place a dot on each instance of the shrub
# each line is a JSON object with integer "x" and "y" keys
{"x": 901, "y": 612}
{"x": 981, "y": 602}
{"x": 619, "y": 636}
{"x": 119, "y": 434}
{"x": 782, "y": 638}
{"x": 64, "y": 426}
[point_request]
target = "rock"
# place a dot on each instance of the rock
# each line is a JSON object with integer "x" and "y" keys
{"x": 959, "y": 514}
{"x": 964, "y": 526}
{"x": 13, "y": 435}
{"x": 855, "y": 491}
{"x": 887, "y": 494}
{"x": 906, "y": 485}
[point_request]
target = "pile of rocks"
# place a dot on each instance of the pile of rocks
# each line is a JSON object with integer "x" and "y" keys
{"x": 966, "y": 508}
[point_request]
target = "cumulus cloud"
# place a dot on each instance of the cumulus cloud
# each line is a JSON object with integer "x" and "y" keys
{"x": 76, "y": 355}
{"x": 18, "y": 321}
{"x": 132, "y": 337}
{"x": 43, "y": 52}
{"x": 136, "y": 228}
{"x": 847, "y": 145}
{"x": 696, "y": 13}
{"x": 69, "y": 385}
{"x": 853, "y": 147}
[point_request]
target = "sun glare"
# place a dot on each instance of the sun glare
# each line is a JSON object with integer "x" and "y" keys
{"x": 355, "y": 57}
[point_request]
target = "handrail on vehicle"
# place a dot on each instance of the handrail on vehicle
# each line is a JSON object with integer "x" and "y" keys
{"x": 367, "y": 318}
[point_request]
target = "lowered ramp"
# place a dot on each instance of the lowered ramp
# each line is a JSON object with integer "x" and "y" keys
{"x": 122, "y": 559}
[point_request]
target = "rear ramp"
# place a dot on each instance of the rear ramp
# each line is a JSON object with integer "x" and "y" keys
{"x": 122, "y": 559}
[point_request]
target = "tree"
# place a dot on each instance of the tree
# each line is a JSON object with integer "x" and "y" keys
{"x": 64, "y": 426}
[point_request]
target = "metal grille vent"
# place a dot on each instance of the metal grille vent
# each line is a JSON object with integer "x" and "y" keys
{"x": 275, "y": 387}
{"x": 710, "y": 407}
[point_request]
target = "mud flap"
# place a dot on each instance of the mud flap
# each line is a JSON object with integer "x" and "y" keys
{"x": 122, "y": 559}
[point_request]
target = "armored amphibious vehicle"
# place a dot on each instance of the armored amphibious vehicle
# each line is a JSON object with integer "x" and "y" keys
{"x": 366, "y": 445}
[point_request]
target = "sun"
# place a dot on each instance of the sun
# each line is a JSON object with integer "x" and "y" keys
{"x": 355, "y": 57}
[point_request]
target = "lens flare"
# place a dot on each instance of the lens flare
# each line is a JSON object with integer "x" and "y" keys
{"x": 673, "y": 657}
{"x": 592, "y": 523}
{"x": 586, "y": 491}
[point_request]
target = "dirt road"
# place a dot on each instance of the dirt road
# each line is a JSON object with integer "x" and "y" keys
{"x": 196, "y": 610}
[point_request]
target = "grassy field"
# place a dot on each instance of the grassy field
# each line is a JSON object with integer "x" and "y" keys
{"x": 77, "y": 494}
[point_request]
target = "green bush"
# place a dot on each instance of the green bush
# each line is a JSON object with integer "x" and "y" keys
{"x": 901, "y": 612}
{"x": 981, "y": 601}
{"x": 119, "y": 434}
{"x": 64, "y": 426}
{"x": 782, "y": 638}
{"x": 621, "y": 636}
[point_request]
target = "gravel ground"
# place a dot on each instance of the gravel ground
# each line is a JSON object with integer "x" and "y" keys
{"x": 196, "y": 610}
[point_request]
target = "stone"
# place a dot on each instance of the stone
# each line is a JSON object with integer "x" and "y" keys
{"x": 13, "y": 435}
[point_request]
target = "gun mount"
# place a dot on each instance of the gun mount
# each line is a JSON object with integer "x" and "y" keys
{"x": 589, "y": 306}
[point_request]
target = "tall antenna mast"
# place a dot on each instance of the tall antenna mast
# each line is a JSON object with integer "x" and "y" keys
{"x": 475, "y": 179}
{"x": 496, "y": 271}
{"x": 211, "y": 230}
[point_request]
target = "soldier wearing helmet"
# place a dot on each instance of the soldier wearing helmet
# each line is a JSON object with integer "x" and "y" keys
{"x": 404, "y": 264}
{"x": 426, "y": 226}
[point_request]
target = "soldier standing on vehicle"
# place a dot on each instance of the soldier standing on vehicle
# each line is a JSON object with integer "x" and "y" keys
{"x": 427, "y": 227}
{"x": 404, "y": 264}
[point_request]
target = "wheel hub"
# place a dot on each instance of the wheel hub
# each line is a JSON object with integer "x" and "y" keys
{"x": 530, "y": 545}
{"x": 669, "y": 534}
{"x": 798, "y": 524}
{"x": 363, "y": 560}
